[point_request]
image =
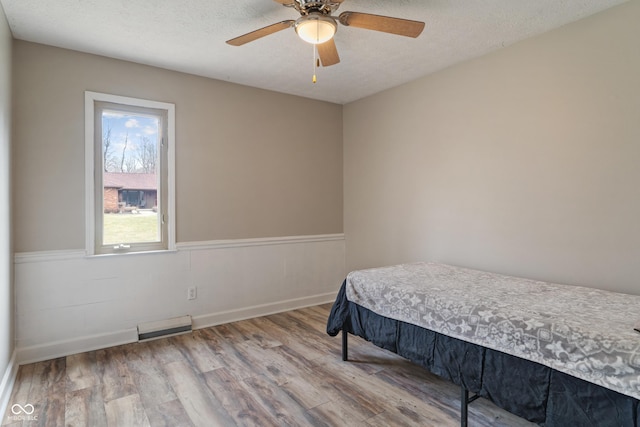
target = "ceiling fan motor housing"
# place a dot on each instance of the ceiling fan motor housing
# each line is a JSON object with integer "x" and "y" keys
{"x": 306, "y": 7}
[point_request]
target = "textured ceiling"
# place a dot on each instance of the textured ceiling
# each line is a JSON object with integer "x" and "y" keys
{"x": 190, "y": 35}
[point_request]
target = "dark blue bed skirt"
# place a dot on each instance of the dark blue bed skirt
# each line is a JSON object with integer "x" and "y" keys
{"x": 532, "y": 391}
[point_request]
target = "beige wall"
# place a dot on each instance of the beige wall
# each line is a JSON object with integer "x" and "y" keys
{"x": 250, "y": 163}
{"x": 524, "y": 161}
{"x": 6, "y": 256}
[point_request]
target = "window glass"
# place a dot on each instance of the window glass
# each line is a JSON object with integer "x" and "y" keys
{"x": 131, "y": 144}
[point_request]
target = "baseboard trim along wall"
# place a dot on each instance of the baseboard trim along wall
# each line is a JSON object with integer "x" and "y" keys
{"x": 68, "y": 303}
{"x": 6, "y": 385}
{"x": 214, "y": 319}
{"x": 53, "y": 350}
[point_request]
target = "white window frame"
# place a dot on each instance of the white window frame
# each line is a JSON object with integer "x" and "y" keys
{"x": 90, "y": 100}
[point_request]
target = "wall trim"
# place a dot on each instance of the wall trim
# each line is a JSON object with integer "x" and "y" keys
{"x": 46, "y": 256}
{"x": 7, "y": 383}
{"x": 213, "y": 319}
{"x": 262, "y": 241}
{"x": 53, "y": 350}
{"x": 68, "y": 254}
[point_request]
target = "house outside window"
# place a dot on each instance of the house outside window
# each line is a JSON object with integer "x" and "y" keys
{"x": 129, "y": 171}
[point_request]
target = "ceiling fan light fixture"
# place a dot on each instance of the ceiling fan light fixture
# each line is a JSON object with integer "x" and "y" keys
{"x": 316, "y": 28}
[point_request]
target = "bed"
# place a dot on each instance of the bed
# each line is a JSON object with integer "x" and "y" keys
{"x": 556, "y": 355}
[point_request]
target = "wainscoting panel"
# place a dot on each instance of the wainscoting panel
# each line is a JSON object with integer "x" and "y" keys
{"x": 68, "y": 303}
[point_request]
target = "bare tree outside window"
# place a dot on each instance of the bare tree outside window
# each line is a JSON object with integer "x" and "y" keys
{"x": 147, "y": 155}
{"x": 125, "y": 153}
{"x": 106, "y": 144}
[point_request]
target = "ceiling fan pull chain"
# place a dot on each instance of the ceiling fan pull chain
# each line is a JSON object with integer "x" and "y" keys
{"x": 314, "y": 63}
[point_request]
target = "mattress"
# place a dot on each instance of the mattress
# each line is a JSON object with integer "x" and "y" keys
{"x": 583, "y": 332}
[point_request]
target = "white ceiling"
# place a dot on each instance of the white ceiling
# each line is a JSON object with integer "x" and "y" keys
{"x": 190, "y": 35}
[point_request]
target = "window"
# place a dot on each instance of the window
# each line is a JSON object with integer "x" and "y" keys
{"x": 129, "y": 156}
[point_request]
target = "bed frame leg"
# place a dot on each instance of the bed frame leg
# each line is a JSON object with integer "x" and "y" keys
{"x": 464, "y": 405}
{"x": 345, "y": 348}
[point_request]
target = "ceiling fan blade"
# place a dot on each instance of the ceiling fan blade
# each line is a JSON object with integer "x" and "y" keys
{"x": 284, "y": 2}
{"x": 328, "y": 53}
{"x": 262, "y": 32}
{"x": 386, "y": 24}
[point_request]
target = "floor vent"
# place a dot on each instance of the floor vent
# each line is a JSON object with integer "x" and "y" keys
{"x": 164, "y": 328}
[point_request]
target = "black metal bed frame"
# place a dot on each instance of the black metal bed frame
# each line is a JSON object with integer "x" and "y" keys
{"x": 537, "y": 393}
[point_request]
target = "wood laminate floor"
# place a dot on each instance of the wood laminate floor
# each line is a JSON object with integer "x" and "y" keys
{"x": 278, "y": 370}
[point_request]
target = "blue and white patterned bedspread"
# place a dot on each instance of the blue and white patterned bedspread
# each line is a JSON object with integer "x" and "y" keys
{"x": 584, "y": 332}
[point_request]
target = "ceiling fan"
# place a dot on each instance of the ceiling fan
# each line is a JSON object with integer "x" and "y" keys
{"x": 317, "y": 26}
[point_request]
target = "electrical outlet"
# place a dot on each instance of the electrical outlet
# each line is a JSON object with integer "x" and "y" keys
{"x": 192, "y": 293}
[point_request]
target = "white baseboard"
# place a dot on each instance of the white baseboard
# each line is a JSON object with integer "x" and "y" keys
{"x": 214, "y": 319}
{"x": 6, "y": 385}
{"x": 56, "y": 349}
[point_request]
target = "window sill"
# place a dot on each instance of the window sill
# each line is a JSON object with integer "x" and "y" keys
{"x": 132, "y": 253}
